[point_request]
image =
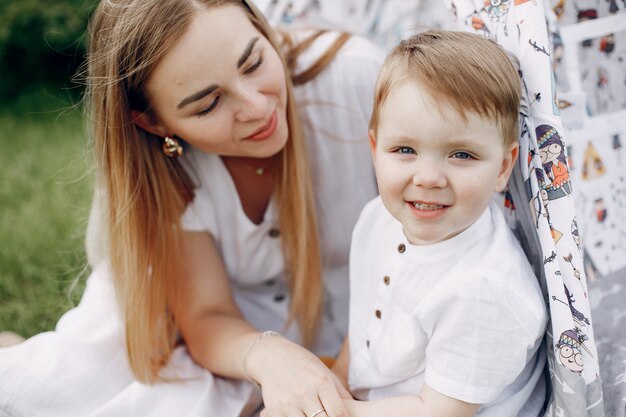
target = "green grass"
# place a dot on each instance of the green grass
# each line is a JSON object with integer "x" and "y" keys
{"x": 45, "y": 192}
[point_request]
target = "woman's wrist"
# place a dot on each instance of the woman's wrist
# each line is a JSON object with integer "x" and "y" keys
{"x": 246, "y": 356}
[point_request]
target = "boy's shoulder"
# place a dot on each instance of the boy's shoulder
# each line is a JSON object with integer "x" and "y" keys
{"x": 499, "y": 251}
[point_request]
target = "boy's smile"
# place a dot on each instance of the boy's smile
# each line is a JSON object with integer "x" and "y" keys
{"x": 436, "y": 171}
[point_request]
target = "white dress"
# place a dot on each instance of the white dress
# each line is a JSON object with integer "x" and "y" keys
{"x": 464, "y": 316}
{"x": 80, "y": 369}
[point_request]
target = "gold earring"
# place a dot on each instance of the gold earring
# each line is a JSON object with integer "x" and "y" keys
{"x": 171, "y": 147}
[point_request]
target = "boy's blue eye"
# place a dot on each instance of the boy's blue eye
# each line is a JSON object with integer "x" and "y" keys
{"x": 405, "y": 150}
{"x": 461, "y": 155}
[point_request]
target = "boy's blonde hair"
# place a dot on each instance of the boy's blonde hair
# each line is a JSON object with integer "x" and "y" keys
{"x": 466, "y": 71}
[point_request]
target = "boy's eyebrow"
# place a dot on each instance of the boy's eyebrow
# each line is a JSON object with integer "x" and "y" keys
{"x": 467, "y": 142}
{"x": 453, "y": 143}
{"x": 206, "y": 91}
{"x": 247, "y": 52}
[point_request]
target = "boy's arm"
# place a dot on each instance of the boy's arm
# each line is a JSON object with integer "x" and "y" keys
{"x": 341, "y": 365}
{"x": 429, "y": 403}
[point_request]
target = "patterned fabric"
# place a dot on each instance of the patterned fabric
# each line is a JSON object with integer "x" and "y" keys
{"x": 602, "y": 58}
{"x": 540, "y": 198}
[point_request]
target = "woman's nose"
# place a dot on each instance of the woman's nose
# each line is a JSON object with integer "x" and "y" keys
{"x": 429, "y": 174}
{"x": 252, "y": 105}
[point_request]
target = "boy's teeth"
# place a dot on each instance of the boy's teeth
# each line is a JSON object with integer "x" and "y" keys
{"x": 423, "y": 206}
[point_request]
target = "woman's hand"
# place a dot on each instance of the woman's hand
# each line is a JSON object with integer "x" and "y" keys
{"x": 294, "y": 381}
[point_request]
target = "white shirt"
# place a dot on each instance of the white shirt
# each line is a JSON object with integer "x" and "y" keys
{"x": 335, "y": 108}
{"x": 464, "y": 316}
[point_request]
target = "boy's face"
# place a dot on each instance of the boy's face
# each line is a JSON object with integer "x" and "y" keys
{"x": 436, "y": 172}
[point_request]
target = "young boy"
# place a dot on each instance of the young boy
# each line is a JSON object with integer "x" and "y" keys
{"x": 446, "y": 316}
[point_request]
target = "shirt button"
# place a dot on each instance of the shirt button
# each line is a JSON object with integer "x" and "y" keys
{"x": 274, "y": 233}
{"x": 279, "y": 297}
{"x": 379, "y": 314}
{"x": 386, "y": 280}
{"x": 367, "y": 343}
{"x": 401, "y": 248}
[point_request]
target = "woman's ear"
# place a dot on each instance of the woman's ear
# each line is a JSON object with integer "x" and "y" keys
{"x": 148, "y": 122}
{"x": 508, "y": 162}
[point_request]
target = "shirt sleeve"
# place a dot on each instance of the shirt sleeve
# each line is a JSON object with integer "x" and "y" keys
{"x": 361, "y": 64}
{"x": 479, "y": 339}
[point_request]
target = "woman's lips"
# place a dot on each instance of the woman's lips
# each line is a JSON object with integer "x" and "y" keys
{"x": 265, "y": 131}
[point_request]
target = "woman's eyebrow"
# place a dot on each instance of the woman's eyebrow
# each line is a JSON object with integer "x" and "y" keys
{"x": 247, "y": 52}
{"x": 196, "y": 96}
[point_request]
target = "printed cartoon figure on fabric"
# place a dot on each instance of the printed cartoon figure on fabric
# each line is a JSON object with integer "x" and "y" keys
{"x": 437, "y": 279}
{"x": 552, "y": 151}
{"x": 232, "y": 164}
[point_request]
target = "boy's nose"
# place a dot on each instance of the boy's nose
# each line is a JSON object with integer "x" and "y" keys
{"x": 429, "y": 174}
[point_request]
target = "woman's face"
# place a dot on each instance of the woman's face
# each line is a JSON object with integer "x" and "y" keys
{"x": 221, "y": 88}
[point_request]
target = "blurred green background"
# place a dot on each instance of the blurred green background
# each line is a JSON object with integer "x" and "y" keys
{"x": 45, "y": 177}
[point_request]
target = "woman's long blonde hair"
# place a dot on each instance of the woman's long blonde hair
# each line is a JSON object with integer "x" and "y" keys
{"x": 142, "y": 193}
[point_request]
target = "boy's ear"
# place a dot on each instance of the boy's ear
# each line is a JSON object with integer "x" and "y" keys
{"x": 372, "y": 141}
{"x": 508, "y": 162}
{"x": 148, "y": 122}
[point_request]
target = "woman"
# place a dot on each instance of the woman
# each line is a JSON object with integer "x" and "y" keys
{"x": 207, "y": 162}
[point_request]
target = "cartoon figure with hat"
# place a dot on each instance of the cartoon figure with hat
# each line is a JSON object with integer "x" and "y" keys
{"x": 569, "y": 345}
{"x": 554, "y": 161}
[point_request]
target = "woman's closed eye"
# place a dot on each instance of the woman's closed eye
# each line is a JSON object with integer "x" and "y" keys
{"x": 210, "y": 108}
{"x": 254, "y": 66}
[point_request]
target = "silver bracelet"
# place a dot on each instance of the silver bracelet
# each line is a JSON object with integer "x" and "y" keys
{"x": 262, "y": 336}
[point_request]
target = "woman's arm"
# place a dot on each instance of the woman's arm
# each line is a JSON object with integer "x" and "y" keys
{"x": 211, "y": 324}
{"x": 220, "y": 339}
{"x": 429, "y": 403}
